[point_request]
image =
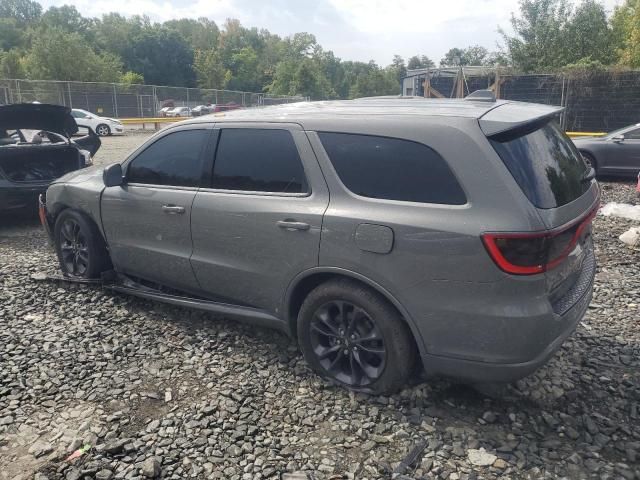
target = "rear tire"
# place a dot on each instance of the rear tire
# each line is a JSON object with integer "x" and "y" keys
{"x": 103, "y": 130}
{"x": 351, "y": 335}
{"x": 79, "y": 245}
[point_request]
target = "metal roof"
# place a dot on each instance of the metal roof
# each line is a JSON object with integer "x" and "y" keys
{"x": 378, "y": 106}
{"x": 493, "y": 116}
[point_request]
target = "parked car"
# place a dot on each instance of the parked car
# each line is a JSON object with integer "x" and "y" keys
{"x": 617, "y": 153}
{"x": 374, "y": 232}
{"x": 35, "y": 148}
{"x": 103, "y": 126}
{"x": 202, "y": 110}
{"x": 179, "y": 112}
{"x": 164, "y": 110}
{"x": 223, "y": 107}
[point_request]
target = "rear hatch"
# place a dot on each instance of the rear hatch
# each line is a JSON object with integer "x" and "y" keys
{"x": 550, "y": 171}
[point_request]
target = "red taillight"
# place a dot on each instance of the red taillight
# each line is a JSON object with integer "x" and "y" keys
{"x": 532, "y": 253}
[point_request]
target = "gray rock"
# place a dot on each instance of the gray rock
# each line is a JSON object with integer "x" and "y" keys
{"x": 104, "y": 474}
{"x": 151, "y": 467}
{"x": 7, "y": 420}
{"x": 480, "y": 458}
{"x": 489, "y": 417}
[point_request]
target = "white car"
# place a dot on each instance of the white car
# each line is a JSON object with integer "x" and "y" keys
{"x": 103, "y": 126}
{"x": 179, "y": 112}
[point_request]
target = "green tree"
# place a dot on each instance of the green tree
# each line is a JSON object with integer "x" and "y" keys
{"x": 421, "y": 61}
{"x": 540, "y": 33}
{"x": 375, "y": 81}
{"x": 11, "y": 34}
{"x": 132, "y": 78}
{"x": 210, "y": 72}
{"x": 626, "y": 33}
{"x": 398, "y": 67}
{"x": 474, "y": 55}
{"x": 58, "y": 55}
{"x": 245, "y": 75}
{"x": 25, "y": 12}
{"x": 589, "y": 34}
{"x": 161, "y": 56}
{"x": 200, "y": 34}
{"x": 66, "y": 18}
{"x": 11, "y": 65}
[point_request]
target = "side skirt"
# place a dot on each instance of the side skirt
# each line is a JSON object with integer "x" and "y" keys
{"x": 123, "y": 284}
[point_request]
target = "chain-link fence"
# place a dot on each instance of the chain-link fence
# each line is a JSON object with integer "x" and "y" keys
{"x": 593, "y": 101}
{"x": 128, "y": 101}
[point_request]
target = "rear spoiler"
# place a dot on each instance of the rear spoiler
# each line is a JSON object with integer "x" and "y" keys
{"x": 514, "y": 116}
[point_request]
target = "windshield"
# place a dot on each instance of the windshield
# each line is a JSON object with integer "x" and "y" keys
{"x": 545, "y": 163}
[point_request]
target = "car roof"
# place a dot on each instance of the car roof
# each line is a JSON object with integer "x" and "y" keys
{"x": 504, "y": 114}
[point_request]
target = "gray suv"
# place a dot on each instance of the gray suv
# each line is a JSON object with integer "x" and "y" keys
{"x": 378, "y": 232}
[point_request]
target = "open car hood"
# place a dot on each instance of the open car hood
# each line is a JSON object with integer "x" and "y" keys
{"x": 38, "y": 116}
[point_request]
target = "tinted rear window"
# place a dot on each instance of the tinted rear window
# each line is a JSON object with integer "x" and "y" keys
{"x": 391, "y": 168}
{"x": 545, "y": 163}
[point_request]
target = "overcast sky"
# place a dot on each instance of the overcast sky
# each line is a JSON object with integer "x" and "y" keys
{"x": 354, "y": 29}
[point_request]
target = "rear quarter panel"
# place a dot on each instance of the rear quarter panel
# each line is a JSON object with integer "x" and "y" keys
{"x": 438, "y": 269}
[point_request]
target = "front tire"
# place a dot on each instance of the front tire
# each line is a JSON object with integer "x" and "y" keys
{"x": 80, "y": 248}
{"x": 351, "y": 335}
{"x": 103, "y": 130}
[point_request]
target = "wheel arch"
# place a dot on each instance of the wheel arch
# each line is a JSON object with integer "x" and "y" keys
{"x": 59, "y": 207}
{"x": 306, "y": 281}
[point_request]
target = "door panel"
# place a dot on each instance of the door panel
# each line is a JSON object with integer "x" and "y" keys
{"x": 148, "y": 236}
{"x": 248, "y": 246}
{"x": 147, "y": 221}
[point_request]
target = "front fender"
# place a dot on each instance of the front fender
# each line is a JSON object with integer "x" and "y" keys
{"x": 83, "y": 197}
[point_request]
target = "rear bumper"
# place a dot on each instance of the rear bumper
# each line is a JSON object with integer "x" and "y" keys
{"x": 481, "y": 372}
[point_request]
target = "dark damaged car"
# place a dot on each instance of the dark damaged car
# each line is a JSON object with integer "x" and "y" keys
{"x": 36, "y": 148}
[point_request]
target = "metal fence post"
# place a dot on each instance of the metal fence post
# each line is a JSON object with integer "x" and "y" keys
{"x": 18, "y": 90}
{"x": 69, "y": 92}
{"x": 156, "y": 105}
{"x": 115, "y": 101}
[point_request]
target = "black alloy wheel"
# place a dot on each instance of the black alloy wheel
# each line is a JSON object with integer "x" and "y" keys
{"x": 74, "y": 248}
{"x": 347, "y": 343}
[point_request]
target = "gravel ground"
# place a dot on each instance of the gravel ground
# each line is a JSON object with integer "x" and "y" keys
{"x": 160, "y": 391}
{"x": 116, "y": 148}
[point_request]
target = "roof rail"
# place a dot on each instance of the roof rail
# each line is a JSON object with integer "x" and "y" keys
{"x": 481, "y": 96}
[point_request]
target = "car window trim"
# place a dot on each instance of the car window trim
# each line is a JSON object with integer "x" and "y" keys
{"x": 253, "y": 126}
{"x": 256, "y": 193}
{"x": 161, "y": 187}
{"x": 143, "y": 148}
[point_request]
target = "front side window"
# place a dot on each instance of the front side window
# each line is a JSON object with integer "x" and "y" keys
{"x": 392, "y": 169}
{"x": 258, "y": 160}
{"x": 77, "y": 114}
{"x": 175, "y": 159}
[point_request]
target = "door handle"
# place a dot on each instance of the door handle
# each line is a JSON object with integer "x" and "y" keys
{"x": 172, "y": 209}
{"x": 293, "y": 225}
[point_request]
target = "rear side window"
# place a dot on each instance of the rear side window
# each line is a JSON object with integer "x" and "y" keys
{"x": 545, "y": 163}
{"x": 175, "y": 159}
{"x": 258, "y": 160}
{"x": 392, "y": 169}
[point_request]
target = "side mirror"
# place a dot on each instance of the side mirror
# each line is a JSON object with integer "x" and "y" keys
{"x": 112, "y": 175}
{"x": 618, "y": 138}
